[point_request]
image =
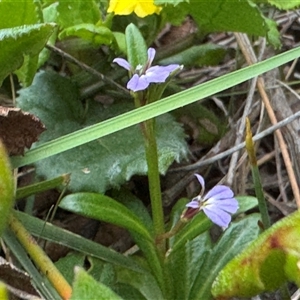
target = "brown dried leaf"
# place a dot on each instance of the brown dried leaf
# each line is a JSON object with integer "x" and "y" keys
{"x": 18, "y": 129}
{"x": 17, "y": 281}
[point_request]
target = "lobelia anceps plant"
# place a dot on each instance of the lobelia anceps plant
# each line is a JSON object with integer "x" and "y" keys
{"x": 143, "y": 76}
{"x": 146, "y": 84}
{"x": 218, "y": 204}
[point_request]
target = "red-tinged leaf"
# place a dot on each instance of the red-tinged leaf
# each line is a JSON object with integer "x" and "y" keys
{"x": 265, "y": 265}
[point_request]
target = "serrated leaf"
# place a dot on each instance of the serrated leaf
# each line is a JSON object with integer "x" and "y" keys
{"x": 232, "y": 242}
{"x": 103, "y": 163}
{"x": 136, "y": 46}
{"x": 18, "y": 42}
{"x": 6, "y": 188}
{"x": 97, "y": 35}
{"x": 85, "y": 287}
{"x": 265, "y": 265}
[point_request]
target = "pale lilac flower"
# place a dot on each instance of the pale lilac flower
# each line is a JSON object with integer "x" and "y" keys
{"x": 142, "y": 76}
{"x": 218, "y": 204}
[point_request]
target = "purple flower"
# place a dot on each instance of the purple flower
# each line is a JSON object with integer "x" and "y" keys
{"x": 142, "y": 76}
{"x": 218, "y": 204}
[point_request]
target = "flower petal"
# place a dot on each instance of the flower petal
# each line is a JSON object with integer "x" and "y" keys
{"x": 159, "y": 74}
{"x": 121, "y": 7}
{"x": 145, "y": 8}
{"x": 219, "y": 192}
{"x": 201, "y": 181}
{"x": 217, "y": 216}
{"x": 137, "y": 83}
{"x": 229, "y": 205}
{"x": 151, "y": 55}
{"x": 193, "y": 204}
{"x": 122, "y": 63}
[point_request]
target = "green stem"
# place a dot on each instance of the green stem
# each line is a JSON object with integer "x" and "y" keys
{"x": 40, "y": 258}
{"x": 153, "y": 176}
{"x": 262, "y": 205}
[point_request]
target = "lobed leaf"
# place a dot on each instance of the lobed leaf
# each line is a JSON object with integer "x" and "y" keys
{"x": 96, "y": 131}
{"x": 106, "y": 162}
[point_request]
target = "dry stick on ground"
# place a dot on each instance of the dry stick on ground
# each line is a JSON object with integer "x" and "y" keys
{"x": 86, "y": 68}
{"x": 240, "y": 132}
{"x": 174, "y": 191}
{"x": 243, "y": 42}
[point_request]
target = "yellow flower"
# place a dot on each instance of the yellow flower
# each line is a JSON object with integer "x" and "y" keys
{"x": 126, "y": 7}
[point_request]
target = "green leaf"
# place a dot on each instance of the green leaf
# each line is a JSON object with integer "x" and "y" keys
{"x": 246, "y": 203}
{"x": 286, "y": 4}
{"x": 136, "y": 46}
{"x": 38, "y": 187}
{"x": 103, "y": 208}
{"x": 203, "y": 55}
{"x": 85, "y": 287}
{"x": 6, "y": 188}
{"x": 144, "y": 283}
{"x": 152, "y": 110}
{"x": 70, "y": 13}
{"x": 19, "y": 13}
{"x": 134, "y": 204}
{"x": 232, "y": 242}
{"x": 265, "y": 265}
{"x": 189, "y": 260}
{"x": 116, "y": 157}
{"x": 67, "y": 264}
{"x": 49, "y": 232}
{"x": 199, "y": 224}
{"x": 228, "y": 15}
{"x": 20, "y": 42}
{"x": 97, "y": 35}
{"x": 41, "y": 282}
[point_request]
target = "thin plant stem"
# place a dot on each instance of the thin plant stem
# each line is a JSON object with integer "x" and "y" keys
{"x": 262, "y": 205}
{"x": 148, "y": 131}
{"x": 40, "y": 258}
{"x": 153, "y": 176}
